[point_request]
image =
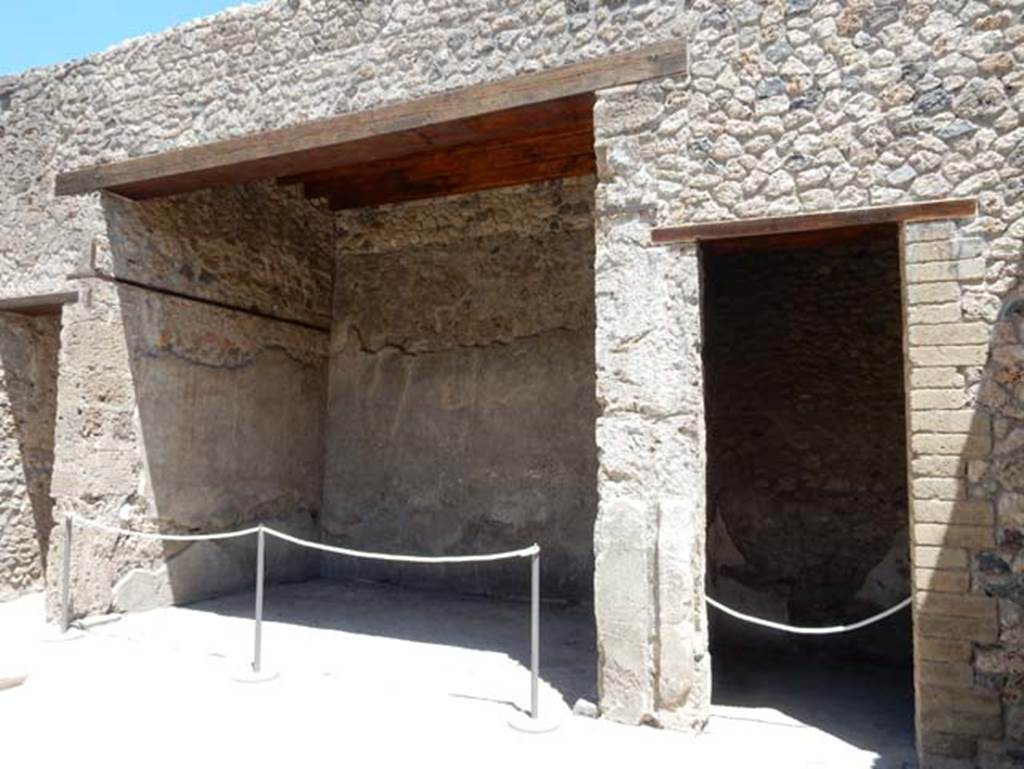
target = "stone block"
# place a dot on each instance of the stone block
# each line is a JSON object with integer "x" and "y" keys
{"x": 933, "y": 293}
{"x": 980, "y": 630}
{"x": 952, "y": 721}
{"x": 954, "y": 535}
{"x": 931, "y": 272}
{"x": 931, "y": 557}
{"x": 624, "y": 607}
{"x": 953, "y": 745}
{"x": 949, "y": 355}
{"x": 959, "y": 675}
{"x": 950, "y": 334}
{"x": 949, "y": 312}
{"x": 938, "y": 466}
{"x": 972, "y": 444}
{"x": 961, "y": 512}
{"x": 953, "y": 421}
{"x": 943, "y": 650}
{"x": 928, "y": 232}
{"x": 941, "y": 581}
{"x": 931, "y": 400}
{"x": 953, "y": 605}
{"x": 936, "y": 378}
{"x": 937, "y": 488}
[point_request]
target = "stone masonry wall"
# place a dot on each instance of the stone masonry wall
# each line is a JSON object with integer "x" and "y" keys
{"x": 188, "y": 417}
{"x": 796, "y": 107}
{"x": 791, "y": 106}
{"x": 807, "y": 477}
{"x": 28, "y": 405}
{"x": 461, "y": 412}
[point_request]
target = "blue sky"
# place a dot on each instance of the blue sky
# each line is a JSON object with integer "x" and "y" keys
{"x": 35, "y": 33}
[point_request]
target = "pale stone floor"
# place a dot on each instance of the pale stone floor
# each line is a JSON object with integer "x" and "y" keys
{"x": 374, "y": 675}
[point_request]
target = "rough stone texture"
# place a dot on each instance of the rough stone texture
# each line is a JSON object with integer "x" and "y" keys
{"x": 461, "y": 412}
{"x": 790, "y": 107}
{"x": 187, "y": 417}
{"x": 806, "y": 431}
{"x": 257, "y": 246}
{"x": 255, "y": 68}
{"x": 28, "y": 405}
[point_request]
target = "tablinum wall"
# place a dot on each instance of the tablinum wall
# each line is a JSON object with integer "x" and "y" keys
{"x": 461, "y": 407}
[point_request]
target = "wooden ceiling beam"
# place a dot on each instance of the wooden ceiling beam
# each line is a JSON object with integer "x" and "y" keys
{"x": 318, "y": 144}
{"x": 399, "y": 189}
{"x": 569, "y": 115}
{"x": 463, "y": 160}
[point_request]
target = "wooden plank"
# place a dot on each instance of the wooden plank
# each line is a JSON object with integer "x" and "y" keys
{"x": 396, "y": 189}
{"x": 802, "y": 239}
{"x": 38, "y": 304}
{"x": 574, "y": 113}
{"x": 957, "y": 208}
{"x": 307, "y": 147}
{"x": 464, "y": 159}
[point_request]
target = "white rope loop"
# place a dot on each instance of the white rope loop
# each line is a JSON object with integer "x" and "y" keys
{"x": 152, "y": 535}
{"x": 798, "y": 630}
{"x": 525, "y": 552}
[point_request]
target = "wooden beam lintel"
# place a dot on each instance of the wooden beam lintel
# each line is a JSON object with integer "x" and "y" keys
{"x": 954, "y": 208}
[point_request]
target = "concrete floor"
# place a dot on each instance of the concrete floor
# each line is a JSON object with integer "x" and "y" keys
{"x": 371, "y": 673}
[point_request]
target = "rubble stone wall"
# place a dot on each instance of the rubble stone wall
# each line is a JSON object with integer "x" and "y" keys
{"x": 461, "y": 416}
{"x": 182, "y": 415}
{"x": 28, "y": 405}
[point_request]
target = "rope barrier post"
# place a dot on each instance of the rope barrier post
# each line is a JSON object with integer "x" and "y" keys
{"x": 534, "y": 724}
{"x": 63, "y": 630}
{"x": 257, "y": 644}
{"x": 257, "y": 674}
{"x": 534, "y": 634}
{"x": 65, "y": 577}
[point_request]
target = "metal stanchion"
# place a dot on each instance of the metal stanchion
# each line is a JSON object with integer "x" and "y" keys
{"x": 257, "y": 674}
{"x": 534, "y": 634}
{"x": 65, "y": 577}
{"x": 64, "y": 631}
{"x": 534, "y": 724}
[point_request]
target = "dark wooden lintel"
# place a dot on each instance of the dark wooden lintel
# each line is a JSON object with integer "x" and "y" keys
{"x": 957, "y": 208}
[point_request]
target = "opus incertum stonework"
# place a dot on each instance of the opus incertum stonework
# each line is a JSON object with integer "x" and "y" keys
{"x": 737, "y": 311}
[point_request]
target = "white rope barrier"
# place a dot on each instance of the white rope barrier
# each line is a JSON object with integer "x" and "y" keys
{"x": 525, "y": 552}
{"x": 153, "y": 535}
{"x": 810, "y": 630}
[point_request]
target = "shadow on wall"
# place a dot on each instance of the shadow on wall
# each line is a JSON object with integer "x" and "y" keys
{"x": 28, "y": 406}
{"x": 219, "y": 412}
{"x": 968, "y": 484}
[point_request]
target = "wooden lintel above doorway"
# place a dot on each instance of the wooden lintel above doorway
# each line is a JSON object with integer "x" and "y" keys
{"x": 531, "y": 127}
{"x": 955, "y": 208}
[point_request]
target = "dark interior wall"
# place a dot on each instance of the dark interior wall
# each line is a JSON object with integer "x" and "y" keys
{"x": 461, "y": 404}
{"x": 806, "y": 426}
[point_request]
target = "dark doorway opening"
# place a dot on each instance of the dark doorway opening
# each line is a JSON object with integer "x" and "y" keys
{"x": 806, "y": 482}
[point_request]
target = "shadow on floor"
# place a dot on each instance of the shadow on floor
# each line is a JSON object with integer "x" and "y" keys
{"x": 568, "y": 644}
{"x": 867, "y": 704}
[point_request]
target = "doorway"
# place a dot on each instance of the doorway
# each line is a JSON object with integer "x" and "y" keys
{"x": 806, "y": 478}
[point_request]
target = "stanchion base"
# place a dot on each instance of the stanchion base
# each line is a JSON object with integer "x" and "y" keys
{"x": 250, "y": 676}
{"x": 523, "y": 722}
{"x": 53, "y": 634}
